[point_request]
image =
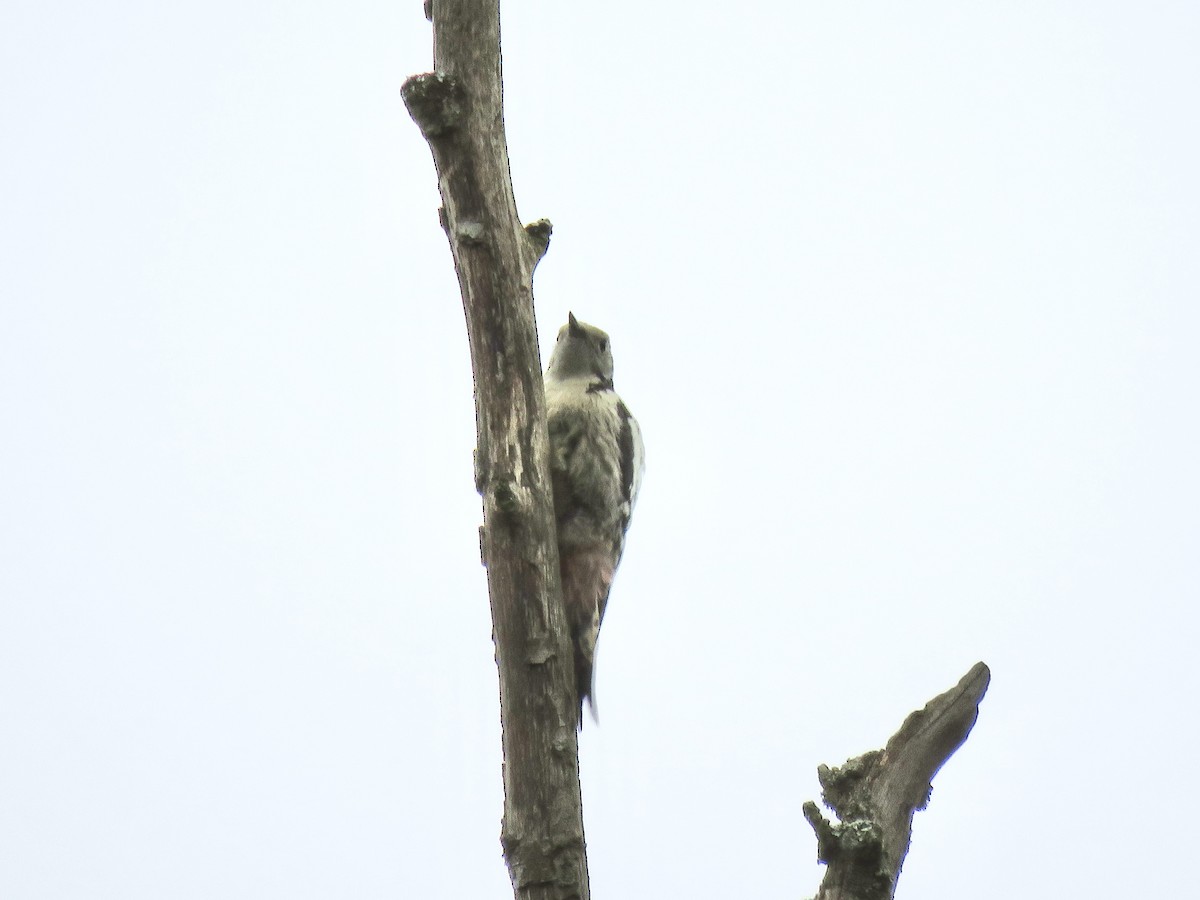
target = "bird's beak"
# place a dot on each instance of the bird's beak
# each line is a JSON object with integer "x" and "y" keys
{"x": 573, "y": 325}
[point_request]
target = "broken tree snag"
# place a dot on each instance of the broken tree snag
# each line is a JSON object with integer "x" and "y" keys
{"x": 876, "y": 794}
{"x": 459, "y": 109}
{"x": 538, "y": 234}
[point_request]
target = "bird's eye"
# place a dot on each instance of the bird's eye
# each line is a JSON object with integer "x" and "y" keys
{"x": 603, "y": 344}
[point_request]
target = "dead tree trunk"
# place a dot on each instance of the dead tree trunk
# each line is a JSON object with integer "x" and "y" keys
{"x": 459, "y": 109}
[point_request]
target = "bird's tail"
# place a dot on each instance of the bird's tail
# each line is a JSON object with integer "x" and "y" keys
{"x": 591, "y": 699}
{"x": 586, "y": 578}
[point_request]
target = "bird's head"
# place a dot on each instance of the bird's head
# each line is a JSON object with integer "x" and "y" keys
{"x": 582, "y": 351}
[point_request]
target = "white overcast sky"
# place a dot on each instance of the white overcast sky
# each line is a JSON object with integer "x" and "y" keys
{"x": 905, "y": 297}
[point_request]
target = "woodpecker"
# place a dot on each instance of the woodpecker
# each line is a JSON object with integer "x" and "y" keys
{"x": 596, "y": 462}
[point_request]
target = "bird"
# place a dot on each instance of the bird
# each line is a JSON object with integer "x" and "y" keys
{"x": 596, "y": 464}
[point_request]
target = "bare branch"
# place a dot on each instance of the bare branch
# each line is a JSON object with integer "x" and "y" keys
{"x": 875, "y": 795}
{"x": 459, "y": 109}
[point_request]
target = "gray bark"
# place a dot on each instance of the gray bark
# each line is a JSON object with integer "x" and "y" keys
{"x": 875, "y": 795}
{"x": 459, "y": 109}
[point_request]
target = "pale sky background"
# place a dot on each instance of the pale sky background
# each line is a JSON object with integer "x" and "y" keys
{"x": 905, "y": 299}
